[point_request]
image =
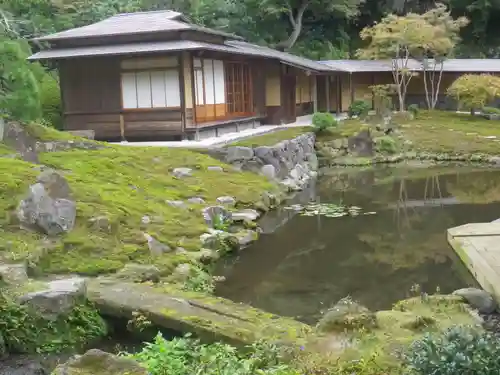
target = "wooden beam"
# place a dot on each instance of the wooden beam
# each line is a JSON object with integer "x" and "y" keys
{"x": 122, "y": 127}
{"x": 351, "y": 88}
{"x": 315, "y": 93}
{"x": 327, "y": 78}
{"x": 182, "y": 90}
{"x": 339, "y": 94}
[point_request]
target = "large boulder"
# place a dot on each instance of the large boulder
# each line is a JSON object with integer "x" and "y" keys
{"x": 13, "y": 274}
{"x": 139, "y": 273}
{"x": 216, "y": 214}
{"x": 17, "y": 137}
{"x": 238, "y": 153}
{"x": 59, "y": 298}
{"x": 478, "y": 299}
{"x": 97, "y": 362}
{"x": 48, "y": 207}
{"x": 362, "y": 144}
{"x": 347, "y": 314}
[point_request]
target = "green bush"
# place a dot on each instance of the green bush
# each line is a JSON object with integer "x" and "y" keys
{"x": 459, "y": 350}
{"x": 322, "y": 121}
{"x": 414, "y": 109}
{"x": 50, "y": 100}
{"x": 358, "y": 108}
{"x": 182, "y": 356}
{"x": 491, "y": 111}
{"x": 386, "y": 144}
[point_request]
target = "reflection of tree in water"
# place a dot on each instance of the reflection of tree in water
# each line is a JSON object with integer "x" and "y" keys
{"x": 483, "y": 187}
{"x": 415, "y": 238}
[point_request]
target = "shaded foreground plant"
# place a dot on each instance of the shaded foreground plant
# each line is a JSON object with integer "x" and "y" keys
{"x": 459, "y": 350}
{"x": 183, "y": 356}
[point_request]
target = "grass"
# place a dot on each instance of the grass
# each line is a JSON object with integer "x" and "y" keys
{"x": 270, "y": 139}
{"x": 123, "y": 185}
{"x": 398, "y": 328}
{"x": 445, "y": 132}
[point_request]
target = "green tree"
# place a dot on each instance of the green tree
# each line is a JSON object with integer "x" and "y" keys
{"x": 397, "y": 38}
{"x": 474, "y": 91}
{"x": 19, "y": 93}
{"x": 439, "y": 44}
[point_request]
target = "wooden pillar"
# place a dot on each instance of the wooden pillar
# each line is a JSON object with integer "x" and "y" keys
{"x": 182, "y": 91}
{"x": 351, "y": 88}
{"x": 193, "y": 93}
{"x": 315, "y": 93}
{"x": 122, "y": 127}
{"x": 327, "y": 78}
{"x": 338, "y": 84}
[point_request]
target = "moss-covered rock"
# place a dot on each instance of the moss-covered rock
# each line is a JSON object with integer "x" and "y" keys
{"x": 97, "y": 362}
{"x": 347, "y": 314}
{"x": 122, "y": 185}
{"x": 210, "y": 318}
{"x": 24, "y": 330}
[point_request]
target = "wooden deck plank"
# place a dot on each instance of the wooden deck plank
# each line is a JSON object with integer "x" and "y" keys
{"x": 478, "y": 246}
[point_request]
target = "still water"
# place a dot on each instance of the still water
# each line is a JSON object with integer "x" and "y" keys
{"x": 307, "y": 264}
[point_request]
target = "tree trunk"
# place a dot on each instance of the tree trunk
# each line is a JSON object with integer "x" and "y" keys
{"x": 296, "y": 22}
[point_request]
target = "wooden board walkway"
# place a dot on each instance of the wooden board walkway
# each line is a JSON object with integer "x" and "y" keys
{"x": 478, "y": 246}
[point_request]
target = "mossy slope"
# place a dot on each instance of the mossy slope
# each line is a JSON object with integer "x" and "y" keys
{"x": 123, "y": 185}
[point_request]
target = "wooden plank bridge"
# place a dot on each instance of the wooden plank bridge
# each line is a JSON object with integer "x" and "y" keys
{"x": 478, "y": 246}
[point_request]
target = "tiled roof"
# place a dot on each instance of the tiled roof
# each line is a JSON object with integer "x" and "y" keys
{"x": 134, "y": 23}
{"x": 450, "y": 65}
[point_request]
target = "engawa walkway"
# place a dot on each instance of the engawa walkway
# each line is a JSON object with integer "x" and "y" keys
{"x": 226, "y": 138}
{"x": 478, "y": 245}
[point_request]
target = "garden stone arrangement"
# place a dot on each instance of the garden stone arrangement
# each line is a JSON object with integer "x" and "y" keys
{"x": 98, "y": 231}
{"x": 291, "y": 162}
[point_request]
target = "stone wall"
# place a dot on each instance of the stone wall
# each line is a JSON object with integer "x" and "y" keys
{"x": 291, "y": 162}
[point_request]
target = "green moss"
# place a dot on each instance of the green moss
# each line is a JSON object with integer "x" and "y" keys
{"x": 5, "y": 150}
{"x": 45, "y": 133}
{"x": 124, "y": 185}
{"x": 270, "y": 139}
{"x": 408, "y": 321}
{"x": 27, "y": 332}
{"x": 446, "y": 132}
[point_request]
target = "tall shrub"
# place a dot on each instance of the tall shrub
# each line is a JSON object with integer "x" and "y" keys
{"x": 474, "y": 91}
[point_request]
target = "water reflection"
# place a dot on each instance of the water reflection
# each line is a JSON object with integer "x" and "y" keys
{"x": 311, "y": 262}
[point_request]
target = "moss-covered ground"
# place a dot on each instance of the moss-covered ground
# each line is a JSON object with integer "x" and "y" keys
{"x": 123, "y": 185}
{"x": 270, "y": 139}
{"x": 442, "y": 132}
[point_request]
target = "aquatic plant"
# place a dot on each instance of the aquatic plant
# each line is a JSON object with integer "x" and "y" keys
{"x": 331, "y": 210}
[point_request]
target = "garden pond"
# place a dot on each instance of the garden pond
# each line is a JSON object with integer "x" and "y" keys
{"x": 376, "y": 235}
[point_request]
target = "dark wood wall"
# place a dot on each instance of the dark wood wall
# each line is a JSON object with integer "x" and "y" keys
{"x": 91, "y": 93}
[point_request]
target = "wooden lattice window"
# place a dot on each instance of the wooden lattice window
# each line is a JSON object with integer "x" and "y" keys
{"x": 239, "y": 93}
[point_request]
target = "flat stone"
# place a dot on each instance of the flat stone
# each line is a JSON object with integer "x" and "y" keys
{"x": 246, "y": 237}
{"x": 238, "y": 153}
{"x": 139, "y": 273}
{"x": 226, "y": 200}
{"x": 215, "y": 169}
{"x": 210, "y": 213}
{"x": 209, "y": 318}
{"x": 244, "y": 215}
{"x": 269, "y": 171}
{"x": 177, "y": 204}
{"x": 15, "y": 274}
{"x": 478, "y": 299}
{"x": 182, "y": 172}
{"x": 182, "y": 272}
{"x": 156, "y": 247}
{"x": 59, "y": 298}
{"x": 97, "y": 362}
{"x": 196, "y": 200}
{"x": 146, "y": 220}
